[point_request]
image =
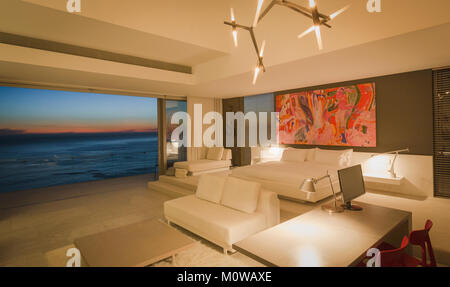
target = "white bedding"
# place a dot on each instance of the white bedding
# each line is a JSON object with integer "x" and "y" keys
{"x": 203, "y": 165}
{"x": 285, "y": 178}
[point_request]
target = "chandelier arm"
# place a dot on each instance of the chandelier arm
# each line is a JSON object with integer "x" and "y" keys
{"x": 299, "y": 11}
{"x": 252, "y": 35}
{"x": 271, "y": 5}
{"x": 325, "y": 17}
{"x": 255, "y": 44}
{"x": 235, "y": 25}
{"x": 324, "y": 23}
{"x": 305, "y": 11}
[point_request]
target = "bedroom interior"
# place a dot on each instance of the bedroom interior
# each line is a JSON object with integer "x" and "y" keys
{"x": 141, "y": 133}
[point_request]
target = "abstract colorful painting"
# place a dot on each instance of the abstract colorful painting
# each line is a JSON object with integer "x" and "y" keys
{"x": 344, "y": 116}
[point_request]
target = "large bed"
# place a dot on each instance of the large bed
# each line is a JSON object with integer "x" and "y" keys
{"x": 285, "y": 177}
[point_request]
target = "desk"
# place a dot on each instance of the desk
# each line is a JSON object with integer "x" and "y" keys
{"x": 319, "y": 239}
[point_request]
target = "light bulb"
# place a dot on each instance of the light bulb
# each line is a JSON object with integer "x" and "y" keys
{"x": 258, "y": 11}
{"x": 309, "y": 30}
{"x": 335, "y": 14}
{"x": 261, "y": 54}
{"x": 319, "y": 37}
{"x": 235, "y": 37}
{"x": 255, "y": 76}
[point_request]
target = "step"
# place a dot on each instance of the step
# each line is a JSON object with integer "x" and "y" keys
{"x": 168, "y": 189}
{"x": 189, "y": 183}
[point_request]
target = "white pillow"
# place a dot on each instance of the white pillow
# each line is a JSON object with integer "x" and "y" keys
{"x": 311, "y": 154}
{"x": 227, "y": 154}
{"x": 294, "y": 155}
{"x": 241, "y": 195}
{"x": 341, "y": 158}
{"x": 215, "y": 153}
{"x": 210, "y": 188}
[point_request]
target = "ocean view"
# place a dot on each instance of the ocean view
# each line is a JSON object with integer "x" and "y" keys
{"x": 30, "y": 161}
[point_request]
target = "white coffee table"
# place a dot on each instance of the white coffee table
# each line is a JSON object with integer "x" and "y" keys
{"x": 136, "y": 245}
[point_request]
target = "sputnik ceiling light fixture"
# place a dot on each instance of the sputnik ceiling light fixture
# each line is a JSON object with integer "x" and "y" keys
{"x": 319, "y": 20}
{"x": 312, "y": 12}
{"x": 260, "y": 53}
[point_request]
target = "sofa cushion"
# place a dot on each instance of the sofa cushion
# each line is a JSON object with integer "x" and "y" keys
{"x": 269, "y": 205}
{"x": 212, "y": 221}
{"x": 210, "y": 188}
{"x": 227, "y": 155}
{"x": 241, "y": 194}
{"x": 215, "y": 153}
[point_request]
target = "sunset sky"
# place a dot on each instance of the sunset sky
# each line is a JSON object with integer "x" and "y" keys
{"x": 46, "y": 111}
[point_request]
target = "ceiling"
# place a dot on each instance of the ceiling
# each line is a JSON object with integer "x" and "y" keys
{"x": 407, "y": 35}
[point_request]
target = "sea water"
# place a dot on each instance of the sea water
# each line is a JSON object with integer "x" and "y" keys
{"x": 29, "y": 161}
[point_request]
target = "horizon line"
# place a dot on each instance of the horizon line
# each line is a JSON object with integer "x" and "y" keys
{"x": 12, "y": 133}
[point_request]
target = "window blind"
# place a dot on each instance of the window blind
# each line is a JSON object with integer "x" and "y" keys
{"x": 441, "y": 133}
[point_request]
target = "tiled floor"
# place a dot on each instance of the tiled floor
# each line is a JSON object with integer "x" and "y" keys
{"x": 31, "y": 230}
{"x": 34, "y": 223}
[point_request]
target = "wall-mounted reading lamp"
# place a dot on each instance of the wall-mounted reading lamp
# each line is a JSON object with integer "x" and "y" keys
{"x": 309, "y": 186}
{"x": 392, "y": 168}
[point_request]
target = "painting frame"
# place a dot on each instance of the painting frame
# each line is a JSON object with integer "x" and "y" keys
{"x": 342, "y": 116}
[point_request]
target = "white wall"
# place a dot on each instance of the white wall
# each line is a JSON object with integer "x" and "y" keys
{"x": 417, "y": 171}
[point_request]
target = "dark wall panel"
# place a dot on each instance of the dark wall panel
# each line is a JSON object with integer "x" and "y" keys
{"x": 404, "y": 111}
{"x": 241, "y": 156}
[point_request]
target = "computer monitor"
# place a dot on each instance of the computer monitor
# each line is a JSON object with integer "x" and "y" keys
{"x": 352, "y": 185}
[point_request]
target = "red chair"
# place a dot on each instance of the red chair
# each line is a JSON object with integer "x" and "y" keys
{"x": 392, "y": 257}
{"x": 395, "y": 257}
{"x": 422, "y": 239}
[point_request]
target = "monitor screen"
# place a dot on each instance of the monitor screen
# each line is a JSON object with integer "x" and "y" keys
{"x": 352, "y": 183}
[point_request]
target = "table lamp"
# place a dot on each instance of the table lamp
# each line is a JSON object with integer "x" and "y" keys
{"x": 309, "y": 186}
{"x": 392, "y": 168}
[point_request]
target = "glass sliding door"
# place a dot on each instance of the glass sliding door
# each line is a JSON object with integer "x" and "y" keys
{"x": 175, "y": 151}
{"x": 50, "y": 137}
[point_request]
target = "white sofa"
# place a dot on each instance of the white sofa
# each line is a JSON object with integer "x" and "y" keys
{"x": 225, "y": 210}
{"x": 212, "y": 160}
